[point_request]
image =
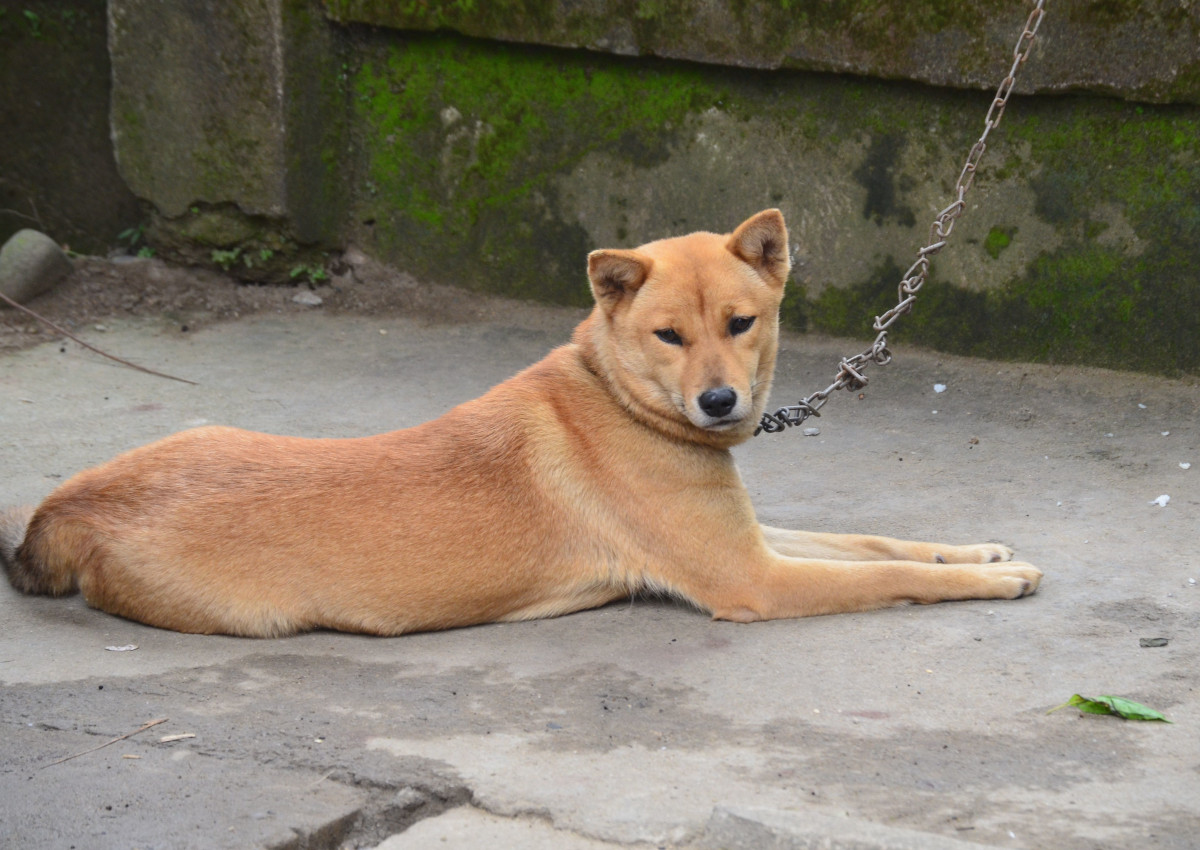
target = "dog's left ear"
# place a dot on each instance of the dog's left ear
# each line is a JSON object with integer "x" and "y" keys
{"x": 762, "y": 241}
{"x": 616, "y": 274}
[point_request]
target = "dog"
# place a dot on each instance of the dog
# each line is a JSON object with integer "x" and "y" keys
{"x": 601, "y": 471}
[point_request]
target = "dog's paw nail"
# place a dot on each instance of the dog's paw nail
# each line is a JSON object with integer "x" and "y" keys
{"x": 938, "y": 559}
{"x": 995, "y": 559}
{"x": 1026, "y": 588}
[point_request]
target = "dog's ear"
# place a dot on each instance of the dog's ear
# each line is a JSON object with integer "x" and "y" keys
{"x": 616, "y": 274}
{"x": 762, "y": 241}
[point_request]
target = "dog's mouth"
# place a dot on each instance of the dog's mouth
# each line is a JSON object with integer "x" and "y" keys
{"x": 724, "y": 424}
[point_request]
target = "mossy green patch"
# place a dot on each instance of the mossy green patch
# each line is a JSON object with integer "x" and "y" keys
{"x": 1079, "y": 304}
{"x": 996, "y": 241}
{"x": 1096, "y": 298}
{"x": 463, "y": 142}
{"x": 468, "y": 149}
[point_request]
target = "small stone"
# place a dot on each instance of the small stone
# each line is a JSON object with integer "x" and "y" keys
{"x": 407, "y": 799}
{"x": 308, "y": 298}
{"x": 1146, "y": 643}
{"x": 354, "y": 257}
{"x": 811, "y": 432}
{"x": 31, "y": 263}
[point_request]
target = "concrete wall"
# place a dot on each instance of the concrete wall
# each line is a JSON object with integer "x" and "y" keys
{"x": 267, "y": 134}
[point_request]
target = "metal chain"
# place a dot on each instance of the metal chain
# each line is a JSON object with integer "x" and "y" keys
{"x": 850, "y": 375}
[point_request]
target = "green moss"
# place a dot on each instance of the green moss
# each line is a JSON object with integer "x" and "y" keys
{"x": 464, "y": 141}
{"x": 1079, "y": 304}
{"x": 997, "y": 240}
{"x": 1094, "y": 298}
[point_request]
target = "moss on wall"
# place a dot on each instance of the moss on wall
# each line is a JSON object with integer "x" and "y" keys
{"x": 1123, "y": 300}
{"x": 1142, "y": 50}
{"x": 498, "y": 167}
{"x": 462, "y": 142}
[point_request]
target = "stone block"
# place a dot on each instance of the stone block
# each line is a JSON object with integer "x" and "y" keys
{"x": 1146, "y": 51}
{"x": 218, "y": 103}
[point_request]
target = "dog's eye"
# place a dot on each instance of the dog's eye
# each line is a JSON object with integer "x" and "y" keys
{"x": 669, "y": 336}
{"x": 740, "y": 324}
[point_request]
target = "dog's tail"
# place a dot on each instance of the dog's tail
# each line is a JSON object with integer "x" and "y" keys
{"x": 13, "y": 523}
{"x": 23, "y": 571}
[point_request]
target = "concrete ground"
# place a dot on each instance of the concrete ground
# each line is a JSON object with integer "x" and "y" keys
{"x": 643, "y": 723}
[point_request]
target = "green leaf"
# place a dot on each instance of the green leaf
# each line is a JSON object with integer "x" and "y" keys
{"x": 1119, "y": 706}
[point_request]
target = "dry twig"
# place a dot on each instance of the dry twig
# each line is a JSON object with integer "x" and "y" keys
{"x": 141, "y": 728}
{"x": 72, "y": 336}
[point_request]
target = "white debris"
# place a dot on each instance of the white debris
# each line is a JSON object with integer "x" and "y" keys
{"x": 308, "y": 298}
{"x": 1185, "y": 466}
{"x": 1142, "y": 406}
{"x": 170, "y": 739}
{"x": 129, "y": 647}
{"x": 1162, "y": 500}
{"x": 811, "y": 432}
{"x": 939, "y": 388}
{"x": 1166, "y": 433}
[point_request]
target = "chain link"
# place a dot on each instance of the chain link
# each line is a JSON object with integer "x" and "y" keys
{"x": 850, "y": 372}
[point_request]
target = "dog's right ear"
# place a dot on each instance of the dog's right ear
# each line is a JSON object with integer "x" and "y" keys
{"x": 616, "y": 274}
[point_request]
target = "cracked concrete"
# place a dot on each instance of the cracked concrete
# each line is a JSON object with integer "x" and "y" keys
{"x": 642, "y": 723}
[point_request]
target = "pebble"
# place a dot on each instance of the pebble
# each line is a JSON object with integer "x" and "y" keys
{"x": 308, "y": 298}
{"x": 31, "y": 263}
{"x": 1161, "y": 501}
{"x": 811, "y": 432}
{"x": 354, "y": 257}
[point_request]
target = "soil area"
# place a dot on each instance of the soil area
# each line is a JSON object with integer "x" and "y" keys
{"x": 102, "y": 289}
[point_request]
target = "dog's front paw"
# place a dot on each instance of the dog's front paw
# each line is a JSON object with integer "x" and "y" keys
{"x": 975, "y": 553}
{"x": 1013, "y": 580}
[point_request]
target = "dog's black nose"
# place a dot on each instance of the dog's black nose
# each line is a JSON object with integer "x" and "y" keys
{"x": 718, "y": 403}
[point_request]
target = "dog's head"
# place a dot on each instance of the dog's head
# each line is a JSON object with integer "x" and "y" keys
{"x": 685, "y": 330}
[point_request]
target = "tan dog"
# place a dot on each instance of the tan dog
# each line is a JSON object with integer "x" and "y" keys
{"x": 598, "y": 472}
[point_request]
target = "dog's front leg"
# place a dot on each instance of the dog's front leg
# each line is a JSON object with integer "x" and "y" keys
{"x": 863, "y": 547}
{"x": 779, "y": 587}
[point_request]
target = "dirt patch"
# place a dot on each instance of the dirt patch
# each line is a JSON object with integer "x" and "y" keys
{"x": 101, "y": 290}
